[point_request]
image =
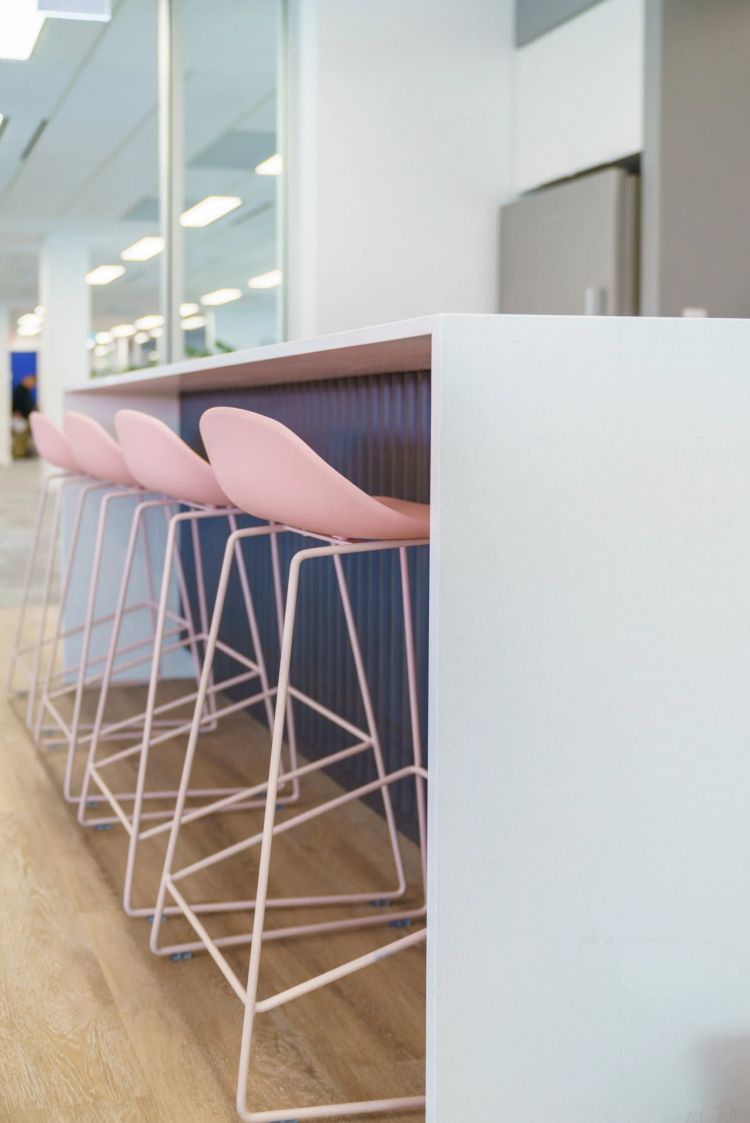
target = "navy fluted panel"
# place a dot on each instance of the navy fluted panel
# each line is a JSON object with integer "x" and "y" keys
{"x": 376, "y": 430}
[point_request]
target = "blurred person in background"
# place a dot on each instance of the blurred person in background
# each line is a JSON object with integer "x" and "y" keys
{"x": 24, "y": 403}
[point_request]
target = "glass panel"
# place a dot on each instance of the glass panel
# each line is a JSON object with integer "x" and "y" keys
{"x": 78, "y": 185}
{"x": 121, "y": 202}
{"x": 232, "y": 284}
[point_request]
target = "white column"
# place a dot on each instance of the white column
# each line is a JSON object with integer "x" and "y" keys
{"x": 5, "y": 378}
{"x": 66, "y": 299}
{"x": 410, "y": 226}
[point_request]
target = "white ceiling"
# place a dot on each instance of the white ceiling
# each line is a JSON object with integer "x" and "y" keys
{"x": 95, "y": 162}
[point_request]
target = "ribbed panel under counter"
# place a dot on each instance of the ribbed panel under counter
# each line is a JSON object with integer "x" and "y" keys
{"x": 376, "y": 430}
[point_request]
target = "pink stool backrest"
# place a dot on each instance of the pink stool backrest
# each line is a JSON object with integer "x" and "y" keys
{"x": 268, "y": 471}
{"x": 96, "y": 451}
{"x": 161, "y": 461}
{"x": 52, "y": 444}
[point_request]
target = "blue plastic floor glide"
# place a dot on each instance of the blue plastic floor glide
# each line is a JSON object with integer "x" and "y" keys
{"x": 103, "y": 826}
{"x": 92, "y": 803}
{"x": 403, "y": 922}
{"x": 282, "y": 807}
{"x": 178, "y": 956}
{"x": 164, "y": 919}
{"x": 379, "y": 903}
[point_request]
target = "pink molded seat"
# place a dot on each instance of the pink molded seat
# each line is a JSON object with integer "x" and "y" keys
{"x": 97, "y": 453}
{"x": 52, "y": 444}
{"x": 268, "y": 471}
{"x": 161, "y": 461}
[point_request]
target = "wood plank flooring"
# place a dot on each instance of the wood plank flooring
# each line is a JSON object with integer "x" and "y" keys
{"x": 95, "y": 1029}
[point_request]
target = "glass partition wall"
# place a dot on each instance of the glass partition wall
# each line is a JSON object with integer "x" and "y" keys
{"x": 232, "y": 167}
{"x": 198, "y": 253}
{"x": 114, "y": 109}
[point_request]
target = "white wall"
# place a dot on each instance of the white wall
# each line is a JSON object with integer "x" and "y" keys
{"x": 400, "y": 158}
{"x": 579, "y": 94}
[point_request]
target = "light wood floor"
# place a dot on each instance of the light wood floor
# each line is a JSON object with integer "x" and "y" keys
{"x": 94, "y": 1028}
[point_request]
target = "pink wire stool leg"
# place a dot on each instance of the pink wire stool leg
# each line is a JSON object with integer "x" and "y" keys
{"x": 251, "y": 1003}
{"x": 132, "y": 821}
{"x": 200, "y": 583}
{"x": 17, "y": 647}
{"x": 46, "y": 597}
{"x": 138, "y": 526}
{"x": 35, "y": 713}
{"x": 278, "y": 593}
{"x": 89, "y": 622}
{"x": 171, "y": 876}
{"x": 364, "y": 690}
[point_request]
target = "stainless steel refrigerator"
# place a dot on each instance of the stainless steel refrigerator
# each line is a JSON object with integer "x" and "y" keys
{"x": 572, "y": 248}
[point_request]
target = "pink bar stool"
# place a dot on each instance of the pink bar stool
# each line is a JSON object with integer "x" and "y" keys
{"x": 163, "y": 463}
{"x": 100, "y": 459}
{"x": 271, "y": 473}
{"x": 53, "y": 446}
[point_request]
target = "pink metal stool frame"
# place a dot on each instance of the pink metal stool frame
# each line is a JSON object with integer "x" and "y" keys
{"x": 98, "y": 452}
{"x": 161, "y": 460}
{"x": 53, "y": 447}
{"x": 335, "y": 549}
{"x": 19, "y": 649}
{"x": 211, "y": 713}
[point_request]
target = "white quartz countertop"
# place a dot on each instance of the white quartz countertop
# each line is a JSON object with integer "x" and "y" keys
{"x": 382, "y": 349}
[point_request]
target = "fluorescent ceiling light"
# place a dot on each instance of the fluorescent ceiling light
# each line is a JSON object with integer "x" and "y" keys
{"x": 221, "y": 296}
{"x": 104, "y": 337}
{"x": 39, "y": 311}
{"x": 20, "y": 24}
{"x": 266, "y": 280}
{"x": 144, "y": 249}
{"x": 189, "y": 309}
{"x": 104, "y": 274}
{"x": 28, "y": 329}
{"x": 192, "y": 323}
{"x": 156, "y": 333}
{"x": 145, "y": 323}
{"x": 272, "y": 166}
{"x": 123, "y": 331}
{"x": 209, "y": 210}
{"x": 29, "y": 319}
{"x": 141, "y": 337}
{"x": 103, "y": 349}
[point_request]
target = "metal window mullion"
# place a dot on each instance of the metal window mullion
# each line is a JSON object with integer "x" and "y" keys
{"x": 171, "y": 174}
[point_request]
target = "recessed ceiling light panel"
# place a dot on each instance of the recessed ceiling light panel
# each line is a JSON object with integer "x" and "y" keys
{"x": 145, "y": 323}
{"x": 193, "y": 323}
{"x": 99, "y": 10}
{"x": 272, "y": 166}
{"x": 144, "y": 249}
{"x": 221, "y": 296}
{"x": 266, "y": 280}
{"x": 210, "y": 209}
{"x": 104, "y": 274}
{"x": 20, "y": 24}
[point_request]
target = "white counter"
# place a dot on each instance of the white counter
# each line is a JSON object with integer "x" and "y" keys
{"x": 590, "y": 704}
